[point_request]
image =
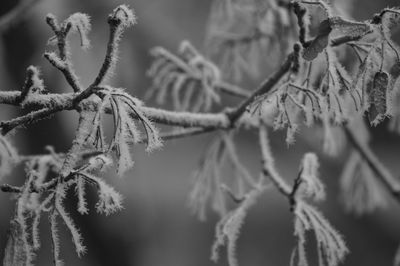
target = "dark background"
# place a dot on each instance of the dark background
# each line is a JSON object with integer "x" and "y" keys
{"x": 156, "y": 227}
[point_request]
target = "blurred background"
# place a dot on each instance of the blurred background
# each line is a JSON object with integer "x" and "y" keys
{"x": 156, "y": 227}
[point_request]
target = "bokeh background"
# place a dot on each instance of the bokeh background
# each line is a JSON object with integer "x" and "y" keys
{"x": 156, "y": 227}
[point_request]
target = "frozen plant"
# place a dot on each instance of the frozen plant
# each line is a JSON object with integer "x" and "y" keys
{"x": 309, "y": 87}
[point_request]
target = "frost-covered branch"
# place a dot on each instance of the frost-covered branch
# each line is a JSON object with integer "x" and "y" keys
{"x": 120, "y": 19}
{"x": 79, "y": 23}
{"x": 265, "y": 86}
{"x": 53, "y": 103}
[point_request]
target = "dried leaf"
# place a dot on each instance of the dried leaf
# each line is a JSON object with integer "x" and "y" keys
{"x": 319, "y": 43}
{"x": 378, "y": 107}
{"x": 348, "y": 27}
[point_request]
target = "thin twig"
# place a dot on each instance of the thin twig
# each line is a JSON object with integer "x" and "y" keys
{"x": 264, "y": 88}
{"x": 111, "y": 55}
{"x": 120, "y": 19}
{"x": 184, "y": 133}
{"x": 7, "y": 126}
{"x": 62, "y": 61}
{"x": 44, "y": 187}
{"x": 66, "y": 69}
{"x": 232, "y": 90}
{"x": 268, "y": 167}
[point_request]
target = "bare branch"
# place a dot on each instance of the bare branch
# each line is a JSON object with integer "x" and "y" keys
{"x": 62, "y": 61}
{"x": 119, "y": 19}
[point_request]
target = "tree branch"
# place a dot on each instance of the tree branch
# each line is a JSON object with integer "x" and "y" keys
{"x": 7, "y": 126}
{"x": 264, "y": 88}
{"x": 62, "y": 61}
{"x": 53, "y": 103}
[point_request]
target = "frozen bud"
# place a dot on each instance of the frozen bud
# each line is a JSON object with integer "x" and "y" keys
{"x": 123, "y": 16}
